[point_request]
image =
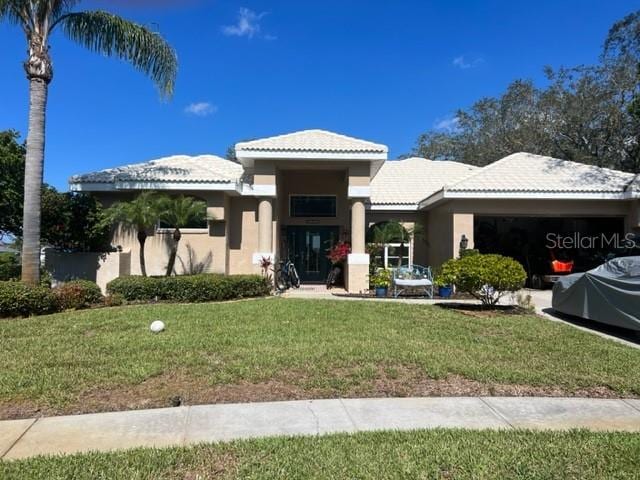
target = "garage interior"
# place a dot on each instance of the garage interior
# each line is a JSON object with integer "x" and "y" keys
{"x": 533, "y": 241}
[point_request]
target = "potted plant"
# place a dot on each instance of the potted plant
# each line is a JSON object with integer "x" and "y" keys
{"x": 381, "y": 281}
{"x": 445, "y": 279}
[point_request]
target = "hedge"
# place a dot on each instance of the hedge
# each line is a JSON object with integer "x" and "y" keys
{"x": 189, "y": 288}
{"x": 78, "y": 294}
{"x": 18, "y": 299}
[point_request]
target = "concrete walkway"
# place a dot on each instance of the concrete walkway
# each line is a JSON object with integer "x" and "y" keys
{"x": 212, "y": 423}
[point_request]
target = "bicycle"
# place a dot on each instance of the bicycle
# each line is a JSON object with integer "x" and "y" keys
{"x": 335, "y": 275}
{"x": 286, "y": 276}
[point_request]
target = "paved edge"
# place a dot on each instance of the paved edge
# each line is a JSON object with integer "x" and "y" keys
{"x": 224, "y": 422}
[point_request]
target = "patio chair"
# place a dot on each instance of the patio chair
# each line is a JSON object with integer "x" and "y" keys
{"x": 414, "y": 277}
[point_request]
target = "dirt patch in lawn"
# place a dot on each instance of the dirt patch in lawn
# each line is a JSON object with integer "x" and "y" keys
{"x": 484, "y": 311}
{"x": 176, "y": 388}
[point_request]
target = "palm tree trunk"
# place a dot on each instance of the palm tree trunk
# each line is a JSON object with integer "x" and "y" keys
{"x": 177, "y": 235}
{"x": 142, "y": 238}
{"x": 38, "y": 90}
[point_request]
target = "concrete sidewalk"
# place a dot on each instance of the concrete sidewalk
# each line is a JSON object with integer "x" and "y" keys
{"x": 212, "y": 423}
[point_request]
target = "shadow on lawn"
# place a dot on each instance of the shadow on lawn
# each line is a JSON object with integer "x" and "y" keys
{"x": 618, "y": 332}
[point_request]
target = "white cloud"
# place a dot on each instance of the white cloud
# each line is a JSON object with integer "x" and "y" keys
{"x": 465, "y": 63}
{"x": 448, "y": 125}
{"x": 201, "y": 109}
{"x": 248, "y": 25}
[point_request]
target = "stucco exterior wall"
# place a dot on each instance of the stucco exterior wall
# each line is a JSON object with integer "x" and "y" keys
{"x": 199, "y": 249}
{"x": 243, "y": 235}
{"x": 313, "y": 182}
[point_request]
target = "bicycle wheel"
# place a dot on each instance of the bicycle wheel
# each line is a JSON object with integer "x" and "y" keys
{"x": 293, "y": 276}
{"x": 331, "y": 279}
{"x": 280, "y": 281}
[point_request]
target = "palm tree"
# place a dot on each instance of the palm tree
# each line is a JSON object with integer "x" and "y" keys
{"x": 180, "y": 212}
{"x": 141, "y": 215}
{"x": 394, "y": 232}
{"x": 99, "y": 31}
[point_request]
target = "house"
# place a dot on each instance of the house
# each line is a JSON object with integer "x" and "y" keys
{"x": 294, "y": 195}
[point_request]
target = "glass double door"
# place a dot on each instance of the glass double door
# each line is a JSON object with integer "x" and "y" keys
{"x": 307, "y": 248}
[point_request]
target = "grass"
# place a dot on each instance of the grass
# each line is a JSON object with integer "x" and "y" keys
{"x": 437, "y": 454}
{"x": 106, "y": 359}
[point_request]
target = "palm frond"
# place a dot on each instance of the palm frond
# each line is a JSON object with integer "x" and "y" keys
{"x": 13, "y": 10}
{"x": 111, "y": 35}
{"x": 182, "y": 210}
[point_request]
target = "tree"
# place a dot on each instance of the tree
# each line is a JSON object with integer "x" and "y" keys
{"x": 141, "y": 215}
{"x": 69, "y": 221}
{"x": 74, "y": 222}
{"x": 11, "y": 183}
{"x": 585, "y": 114}
{"x": 179, "y": 212}
{"x": 99, "y": 31}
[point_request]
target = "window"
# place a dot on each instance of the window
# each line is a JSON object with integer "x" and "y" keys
{"x": 312, "y": 206}
{"x": 392, "y": 255}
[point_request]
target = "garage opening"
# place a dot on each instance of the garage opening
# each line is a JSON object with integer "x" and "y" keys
{"x": 548, "y": 247}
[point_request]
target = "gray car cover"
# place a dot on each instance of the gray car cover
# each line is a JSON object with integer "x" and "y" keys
{"x": 607, "y": 294}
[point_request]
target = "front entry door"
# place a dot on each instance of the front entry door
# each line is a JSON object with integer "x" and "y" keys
{"x": 307, "y": 248}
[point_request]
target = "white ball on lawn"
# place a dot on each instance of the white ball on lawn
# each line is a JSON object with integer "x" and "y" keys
{"x": 157, "y": 326}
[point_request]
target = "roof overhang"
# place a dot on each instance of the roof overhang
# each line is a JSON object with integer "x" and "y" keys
{"x": 139, "y": 185}
{"x": 247, "y": 158}
{"x": 392, "y": 207}
{"x": 443, "y": 195}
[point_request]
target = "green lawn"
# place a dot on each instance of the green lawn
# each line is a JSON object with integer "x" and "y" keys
{"x": 106, "y": 359}
{"x": 437, "y": 454}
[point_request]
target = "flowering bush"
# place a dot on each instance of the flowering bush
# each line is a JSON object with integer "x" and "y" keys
{"x": 338, "y": 253}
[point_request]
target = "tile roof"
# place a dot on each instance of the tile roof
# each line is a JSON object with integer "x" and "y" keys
{"x": 406, "y": 182}
{"x": 526, "y": 172}
{"x": 312, "y": 141}
{"x": 178, "y": 168}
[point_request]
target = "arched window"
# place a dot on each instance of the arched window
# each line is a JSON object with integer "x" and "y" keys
{"x": 390, "y": 244}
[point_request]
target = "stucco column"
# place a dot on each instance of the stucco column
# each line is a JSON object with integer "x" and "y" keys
{"x": 357, "y": 226}
{"x": 358, "y": 260}
{"x": 265, "y": 226}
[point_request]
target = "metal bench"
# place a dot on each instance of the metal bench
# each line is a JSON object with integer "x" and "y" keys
{"x": 413, "y": 277}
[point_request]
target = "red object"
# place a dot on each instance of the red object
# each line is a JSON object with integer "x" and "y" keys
{"x": 562, "y": 267}
{"x": 338, "y": 253}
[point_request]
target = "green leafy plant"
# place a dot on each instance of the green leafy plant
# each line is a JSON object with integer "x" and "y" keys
{"x": 9, "y": 266}
{"x": 486, "y": 277}
{"x": 179, "y": 212}
{"x": 140, "y": 215}
{"x": 78, "y": 294}
{"x": 381, "y": 279}
{"x": 189, "y": 288}
{"x": 19, "y": 299}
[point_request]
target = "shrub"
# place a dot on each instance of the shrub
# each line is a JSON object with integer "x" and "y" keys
{"x": 18, "y": 299}
{"x": 486, "y": 277}
{"x": 9, "y": 267}
{"x": 78, "y": 294}
{"x": 134, "y": 288}
{"x": 114, "y": 300}
{"x": 381, "y": 279}
{"x": 190, "y": 288}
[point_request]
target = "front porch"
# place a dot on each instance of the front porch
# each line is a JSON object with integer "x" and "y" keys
{"x": 311, "y": 198}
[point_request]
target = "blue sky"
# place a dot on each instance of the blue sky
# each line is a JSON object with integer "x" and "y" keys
{"x": 381, "y": 70}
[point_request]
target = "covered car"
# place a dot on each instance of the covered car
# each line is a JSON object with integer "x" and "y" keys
{"x": 607, "y": 294}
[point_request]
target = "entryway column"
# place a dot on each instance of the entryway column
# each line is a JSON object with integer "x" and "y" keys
{"x": 265, "y": 227}
{"x": 357, "y": 226}
{"x": 358, "y": 260}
